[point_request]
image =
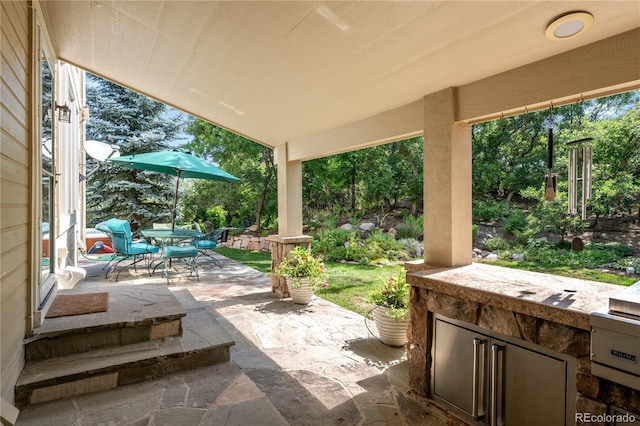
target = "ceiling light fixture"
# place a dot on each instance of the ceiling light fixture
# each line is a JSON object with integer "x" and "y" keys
{"x": 569, "y": 26}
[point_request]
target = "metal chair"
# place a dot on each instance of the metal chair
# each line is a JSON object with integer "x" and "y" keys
{"x": 179, "y": 245}
{"x": 209, "y": 242}
{"x": 119, "y": 232}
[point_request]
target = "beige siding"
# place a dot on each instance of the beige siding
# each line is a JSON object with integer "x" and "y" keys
{"x": 15, "y": 75}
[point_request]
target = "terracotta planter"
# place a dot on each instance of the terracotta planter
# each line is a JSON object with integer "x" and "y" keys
{"x": 392, "y": 332}
{"x": 301, "y": 295}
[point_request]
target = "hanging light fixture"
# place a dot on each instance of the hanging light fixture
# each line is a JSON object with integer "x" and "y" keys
{"x": 64, "y": 113}
{"x": 569, "y": 26}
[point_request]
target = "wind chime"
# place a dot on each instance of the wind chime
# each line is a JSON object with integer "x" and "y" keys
{"x": 580, "y": 163}
{"x": 551, "y": 179}
{"x": 579, "y": 173}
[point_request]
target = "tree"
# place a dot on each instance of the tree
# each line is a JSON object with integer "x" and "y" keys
{"x": 136, "y": 124}
{"x": 253, "y": 198}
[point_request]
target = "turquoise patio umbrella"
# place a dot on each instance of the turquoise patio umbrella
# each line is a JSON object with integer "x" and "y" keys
{"x": 176, "y": 163}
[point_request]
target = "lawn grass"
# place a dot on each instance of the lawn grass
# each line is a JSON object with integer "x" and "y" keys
{"x": 258, "y": 260}
{"x": 565, "y": 271}
{"x": 349, "y": 284}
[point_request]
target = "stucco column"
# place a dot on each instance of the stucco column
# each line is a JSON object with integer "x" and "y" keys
{"x": 289, "y": 216}
{"x": 289, "y": 194}
{"x": 447, "y": 183}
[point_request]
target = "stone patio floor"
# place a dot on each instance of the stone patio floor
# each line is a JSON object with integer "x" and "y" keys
{"x": 313, "y": 364}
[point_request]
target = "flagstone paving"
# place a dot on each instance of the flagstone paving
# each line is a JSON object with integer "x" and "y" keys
{"x": 314, "y": 364}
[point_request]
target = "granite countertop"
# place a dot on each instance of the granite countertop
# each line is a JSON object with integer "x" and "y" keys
{"x": 564, "y": 300}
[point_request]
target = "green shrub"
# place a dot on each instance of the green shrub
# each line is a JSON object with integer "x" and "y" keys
{"x": 496, "y": 243}
{"x": 412, "y": 227}
{"x": 487, "y": 210}
{"x": 410, "y": 246}
{"x": 383, "y": 246}
{"x": 217, "y": 215}
{"x": 515, "y": 222}
{"x": 330, "y": 243}
{"x": 474, "y": 232}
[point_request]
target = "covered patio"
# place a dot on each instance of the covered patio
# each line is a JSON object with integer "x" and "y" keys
{"x": 312, "y": 79}
{"x": 313, "y": 364}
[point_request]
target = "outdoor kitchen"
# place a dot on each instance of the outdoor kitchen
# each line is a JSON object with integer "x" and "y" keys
{"x": 491, "y": 344}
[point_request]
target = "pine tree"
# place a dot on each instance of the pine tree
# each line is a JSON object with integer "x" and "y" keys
{"x": 136, "y": 124}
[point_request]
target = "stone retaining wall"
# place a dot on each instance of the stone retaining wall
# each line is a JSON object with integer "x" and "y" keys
{"x": 248, "y": 242}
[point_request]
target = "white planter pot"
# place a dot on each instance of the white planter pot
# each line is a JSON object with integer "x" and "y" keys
{"x": 392, "y": 332}
{"x": 301, "y": 295}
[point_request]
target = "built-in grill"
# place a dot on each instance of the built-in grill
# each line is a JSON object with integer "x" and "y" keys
{"x": 615, "y": 339}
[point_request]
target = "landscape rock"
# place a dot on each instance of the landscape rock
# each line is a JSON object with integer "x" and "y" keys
{"x": 367, "y": 226}
{"x": 518, "y": 257}
{"x": 491, "y": 257}
{"x": 347, "y": 227}
{"x": 393, "y": 231}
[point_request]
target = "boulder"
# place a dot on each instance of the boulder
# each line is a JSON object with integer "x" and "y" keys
{"x": 347, "y": 227}
{"x": 367, "y": 226}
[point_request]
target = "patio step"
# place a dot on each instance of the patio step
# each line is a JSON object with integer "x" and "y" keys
{"x": 203, "y": 342}
{"x": 136, "y": 313}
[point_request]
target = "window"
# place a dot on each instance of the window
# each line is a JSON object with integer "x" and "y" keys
{"x": 45, "y": 133}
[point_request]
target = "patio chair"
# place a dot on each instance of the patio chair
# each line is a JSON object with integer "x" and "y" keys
{"x": 179, "y": 245}
{"x": 207, "y": 243}
{"x": 119, "y": 232}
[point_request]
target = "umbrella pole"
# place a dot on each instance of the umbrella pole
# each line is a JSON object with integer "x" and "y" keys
{"x": 175, "y": 203}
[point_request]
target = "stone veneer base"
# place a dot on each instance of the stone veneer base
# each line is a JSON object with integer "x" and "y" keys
{"x": 545, "y": 310}
{"x": 280, "y": 247}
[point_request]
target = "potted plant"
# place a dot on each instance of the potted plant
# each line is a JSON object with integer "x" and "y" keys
{"x": 303, "y": 273}
{"x": 391, "y": 313}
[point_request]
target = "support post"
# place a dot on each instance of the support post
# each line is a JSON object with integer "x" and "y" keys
{"x": 289, "y": 216}
{"x": 447, "y": 183}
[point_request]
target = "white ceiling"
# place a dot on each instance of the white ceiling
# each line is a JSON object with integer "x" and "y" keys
{"x": 280, "y": 71}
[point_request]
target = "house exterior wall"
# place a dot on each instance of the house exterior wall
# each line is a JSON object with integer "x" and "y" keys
{"x": 15, "y": 188}
{"x": 20, "y": 149}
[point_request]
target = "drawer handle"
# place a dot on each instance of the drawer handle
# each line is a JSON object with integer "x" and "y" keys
{"x": 496, "y": 386}
{"x": 478, "y": 352}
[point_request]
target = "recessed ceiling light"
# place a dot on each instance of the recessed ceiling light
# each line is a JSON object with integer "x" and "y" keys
{"x": 569, "y": 26}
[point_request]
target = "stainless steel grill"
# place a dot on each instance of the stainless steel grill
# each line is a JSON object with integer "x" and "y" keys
{"x": 615, "y": 339}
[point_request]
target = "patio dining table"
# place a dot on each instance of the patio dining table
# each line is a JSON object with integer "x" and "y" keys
{"x": 176, "y": 244}
{"x": 159, "y": 235}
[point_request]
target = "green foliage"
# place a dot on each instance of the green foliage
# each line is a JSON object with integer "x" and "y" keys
{"x": 217, "y": 216}
{"x": 330, "y": 243}
{"x": 393, "y": 293}
{"x": 410, "y": 246}
{"x": 516, "y": 221}
{"x": 353, "y": 181}
{"x": 383, "y": 246}
{"x": 340, "y": 244}
{"x": 496, "y": 243}
{"x": 300, "y": 263}
{"x": 552, "y": 216}
{"x": 624, "y": 263}
{"x": 412, "y": 227}
{"x": 488, "y": 210}
{"x": 474, "y": 232}
{"x": 254, "y": 198}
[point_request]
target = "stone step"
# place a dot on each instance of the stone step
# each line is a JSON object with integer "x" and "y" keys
{"x": 203, "y": 342}
{"x": 136, "y": 313}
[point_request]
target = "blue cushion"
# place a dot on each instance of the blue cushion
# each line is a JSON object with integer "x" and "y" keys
{"x": 179, "y": 251}
{"x": 207, "y": 244}
{"x": 139, "y": 248}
